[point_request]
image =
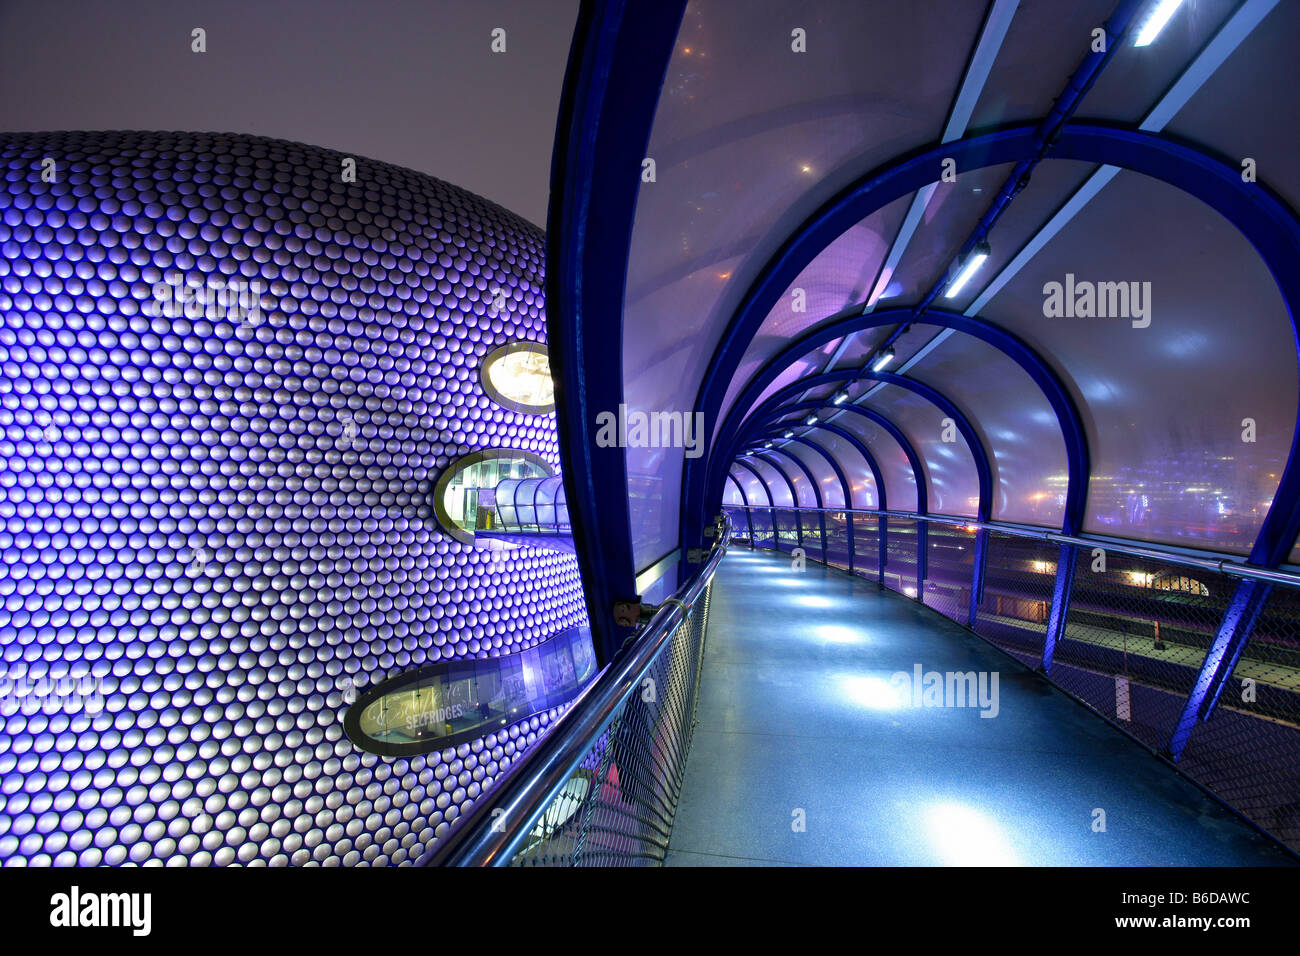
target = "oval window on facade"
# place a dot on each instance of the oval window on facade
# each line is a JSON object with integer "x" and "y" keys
{"x": 517, "y": 376}
{"x": 451, "y": 702}
{"x": 465, "y": 496}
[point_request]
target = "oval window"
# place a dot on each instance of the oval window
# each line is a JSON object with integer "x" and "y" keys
{"x": 465, "y": 497}
{"x": 452, "y": 702}
{"x": 517, "y": 376}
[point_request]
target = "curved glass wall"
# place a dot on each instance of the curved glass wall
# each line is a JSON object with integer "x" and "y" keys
{"x": 529, "y": 504}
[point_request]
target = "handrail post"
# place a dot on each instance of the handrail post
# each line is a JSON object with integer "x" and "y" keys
{"x": 882, "y": 529}
{"x": 1235, "y": 628}
{"x": 1061, "y": 591}
{"x": 848, "y": 535}
{"x": 922, "y": 559}
{"x": 977, "y": 576}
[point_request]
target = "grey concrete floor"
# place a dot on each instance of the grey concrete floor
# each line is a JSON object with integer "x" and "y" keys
{"x": 809, "y": 751}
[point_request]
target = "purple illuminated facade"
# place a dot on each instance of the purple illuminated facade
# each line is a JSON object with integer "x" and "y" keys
{"x": 215, "y": 514}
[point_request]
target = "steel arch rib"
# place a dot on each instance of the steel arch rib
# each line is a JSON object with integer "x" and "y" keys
{"x": 977, "y": 450}
{"x": 835, "y": 466}
{"x": 789, "y": 485}
{"x": 744, "y": 499}
{"x": 612, "y": 84}
{"x": 845, "y": 488}
{"x": 771, "y": 502}
{"x": 817, "y": 492}
{"x": 744, "y": 502}
{"x": 1264, "y": 219}
{"x": 794, "y": 493}
{"x": 1058, "y": 396}
{"x": 861, "y": 449}
{"x": 894, "y": 432}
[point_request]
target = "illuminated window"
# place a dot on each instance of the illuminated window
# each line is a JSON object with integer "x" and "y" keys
{"x": 1172, "y": 581}
{"x": 518, "y": 377}
{"x": 450, "y": 702}
{"x": 464, "y": 498}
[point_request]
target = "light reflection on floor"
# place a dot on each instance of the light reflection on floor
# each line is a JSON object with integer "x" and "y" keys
{"x": 800, "y": 717}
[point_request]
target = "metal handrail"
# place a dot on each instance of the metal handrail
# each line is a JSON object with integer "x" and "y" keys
{"x": 1229, "y": 566}
{"x": 531, "y": 785}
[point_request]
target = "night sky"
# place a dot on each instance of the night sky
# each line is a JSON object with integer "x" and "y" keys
{"x": 411, "y": 82}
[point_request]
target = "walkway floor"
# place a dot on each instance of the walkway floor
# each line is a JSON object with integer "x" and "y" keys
{"x": 799, "y": 722}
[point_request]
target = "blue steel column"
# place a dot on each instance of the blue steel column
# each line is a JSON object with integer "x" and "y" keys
{"x": 1061, "y": 591}
{"x": 744, "y": 500}
{"x": 817, "y": 492}
{"x": 794, "y": 496}
{"x": 1234, "y": 631}
{"x": 977, "y": 576}
{"x": 612, "y": 84}
{"x": 913, "y": 459}
{"x": 771, "y": 502}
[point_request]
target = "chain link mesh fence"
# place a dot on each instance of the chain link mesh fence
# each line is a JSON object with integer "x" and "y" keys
{"x": 1016, "y": 602}
{"x": 900, "y": 561}
{"x": 814, "y": 538}
{"x": 617, "y": 808}
{"x": 787, "y": 528}
{"x": 1135, "y": 637}
{"x": 837, "y": 539}
{"x": 761, "y": 521}
{"x": 866, "y": 546}
{"x": 950, "y": 560}
{"x": 740, "y": 529}
{"x": 1248, "y": 751}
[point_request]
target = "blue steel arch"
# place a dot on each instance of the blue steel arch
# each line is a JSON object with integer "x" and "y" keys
{"x": 767, "y": 456}
{"x": 845, "y": 487}
{"x": 862, "y": 450}
{"x": 612, "y": 84}
{"x": 794, "y": 499}
{"x": 789, "y": 485}
{"x": 983, "y": 471}
{"x": 771, "y": 502}
{"x": 913, "y": 460}
{"x": 1057, "y": 395}
{"x": 1266, "y": 221}
{"x": 922, "y": 501}
{"x": 817, "y": 492}
{"x": 744, "y": 499}
{"x": 882, "y": 504}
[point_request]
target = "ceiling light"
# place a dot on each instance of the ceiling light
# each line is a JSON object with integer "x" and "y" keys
{"x": 883, "y": 359}
{"x": 810, "y": 420}
{"x": 789, "y": 434}
{"x": 969, "y": 268}
{"x": 1161, "y": 11}
{"x": 841, "y": 397}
